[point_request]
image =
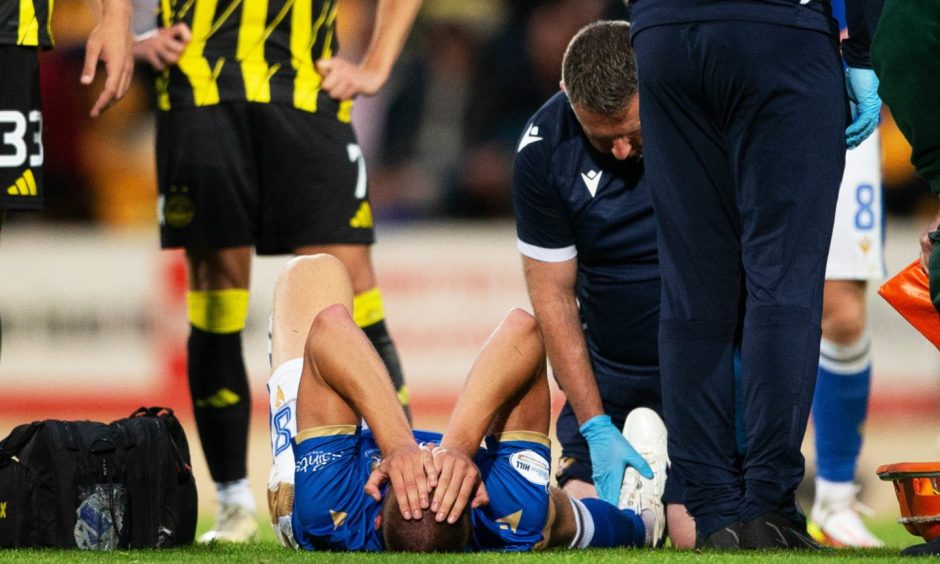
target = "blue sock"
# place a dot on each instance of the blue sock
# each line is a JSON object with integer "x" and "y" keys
{"x": 840, "y": 406}
{"x": 602, "y": 525}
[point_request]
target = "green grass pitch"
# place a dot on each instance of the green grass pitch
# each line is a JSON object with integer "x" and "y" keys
{"x": 266, "y": 550}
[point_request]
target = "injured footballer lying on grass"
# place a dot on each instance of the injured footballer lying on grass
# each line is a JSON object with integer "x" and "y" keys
{"x": 340, "y": 485}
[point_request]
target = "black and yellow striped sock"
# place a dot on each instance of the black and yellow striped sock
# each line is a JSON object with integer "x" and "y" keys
{"x": 218, "y": 382}
{"x": 369, "y": 313}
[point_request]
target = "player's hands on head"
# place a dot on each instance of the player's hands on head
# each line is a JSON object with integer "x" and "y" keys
{"x": 344, "y": 80}
{"x": 111, "y": 43}
{"x": 164, "y": 47}
{"x": 410, "y": 469}
{"x": 458, "y": 479}
{"x": 611, "y": 453}
{"x": 862, "y": 85}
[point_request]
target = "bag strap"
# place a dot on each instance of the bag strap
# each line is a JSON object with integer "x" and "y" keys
{"x": 152, "y": 411}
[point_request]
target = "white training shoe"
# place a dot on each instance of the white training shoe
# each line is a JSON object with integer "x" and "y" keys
{"x": 646, "y": 432}
{"x": 234, "y": 523}
{"x": 835, "y": 519}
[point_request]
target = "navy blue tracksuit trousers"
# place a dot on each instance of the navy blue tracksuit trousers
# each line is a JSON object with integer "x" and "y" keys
{"x": 744, "y": 148}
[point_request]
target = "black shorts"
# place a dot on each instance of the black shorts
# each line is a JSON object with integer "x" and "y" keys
{"x": 265, "y": 175}
{"x": 20, "y": 130}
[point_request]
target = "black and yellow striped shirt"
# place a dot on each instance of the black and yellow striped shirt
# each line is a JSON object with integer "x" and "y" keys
{"x": 26, "y": 22}
{"x": 256, "y": 50}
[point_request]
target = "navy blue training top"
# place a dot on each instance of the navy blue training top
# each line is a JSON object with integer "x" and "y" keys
{"x": 572, "y": 201}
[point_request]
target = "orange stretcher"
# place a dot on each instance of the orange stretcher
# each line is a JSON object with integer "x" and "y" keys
{"x": 917, "y": 486}
{"x": 909, "y": 293}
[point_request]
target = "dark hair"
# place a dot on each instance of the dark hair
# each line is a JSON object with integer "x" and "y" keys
{"x": 424, "y": 534}
{"x": 598, "y": 69}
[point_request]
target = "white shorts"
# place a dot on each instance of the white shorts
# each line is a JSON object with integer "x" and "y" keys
{"x": 282, "y": 394}
{"x": 857, "y": 249}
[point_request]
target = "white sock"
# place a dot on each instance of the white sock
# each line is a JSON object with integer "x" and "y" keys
{"x": 649, "y": 522}
{"x": 236, "y": 492}
{"x": 585, "y": 525}
{"x": 835, "y": 490}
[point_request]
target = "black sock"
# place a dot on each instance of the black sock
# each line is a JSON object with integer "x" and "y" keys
{"x": 218, "y": 386}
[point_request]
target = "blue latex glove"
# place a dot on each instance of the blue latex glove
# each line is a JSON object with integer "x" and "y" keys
{"x": 611, "y": 453}
{"x": 862, "y": 85}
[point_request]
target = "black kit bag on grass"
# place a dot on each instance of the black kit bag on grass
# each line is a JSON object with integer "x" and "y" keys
{"x": 15, "y": 510}
{"x": 164, "y": 514}
{"x": 99, "y": 486}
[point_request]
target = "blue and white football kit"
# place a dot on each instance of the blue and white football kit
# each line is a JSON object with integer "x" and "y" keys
{"x": 331, "y": 512}
{"x": 317, "y": 501}
{"x": 572, "y": 201}
{"x": 327, "y": 468}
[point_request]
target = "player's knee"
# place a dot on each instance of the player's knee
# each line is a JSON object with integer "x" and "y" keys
{"x": 305, "y": 269}
{"x": 327, "y": 323}
{"x": 330, "y": 319}
{"x": 845, "y": 325}
{"x": 521, "y": 321}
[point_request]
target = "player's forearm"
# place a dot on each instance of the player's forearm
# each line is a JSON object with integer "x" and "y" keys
{"x": 393, "y": 22}
{"x": 107, "y": 9}
{"x": 476, "y": 409}
{"x": 383, "y": 414}
{"x": 568, "y": 354}
{"x": 511, "y": 359}
{"x": 469, "y": 422}
{"x": 356, "y": 373}
{"x": 551, "y": 287}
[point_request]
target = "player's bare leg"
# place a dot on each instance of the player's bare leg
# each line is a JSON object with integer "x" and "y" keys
{"x": 368, "y": 309}
{"x": 579, "y": 488}
{"x": 680, "y": 526}
{"x": 217, "y": 310}
{"x": 325, "y": 361}
{"x": 844, "y": 311}
{"x": 306, "y": 286}
{"x": 839, "y": 411}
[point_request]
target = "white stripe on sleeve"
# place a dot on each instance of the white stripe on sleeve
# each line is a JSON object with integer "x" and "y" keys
{"x": 546, "y": 255}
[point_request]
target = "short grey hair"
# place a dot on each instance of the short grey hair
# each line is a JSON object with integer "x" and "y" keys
{"x": 599, "y": 70}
